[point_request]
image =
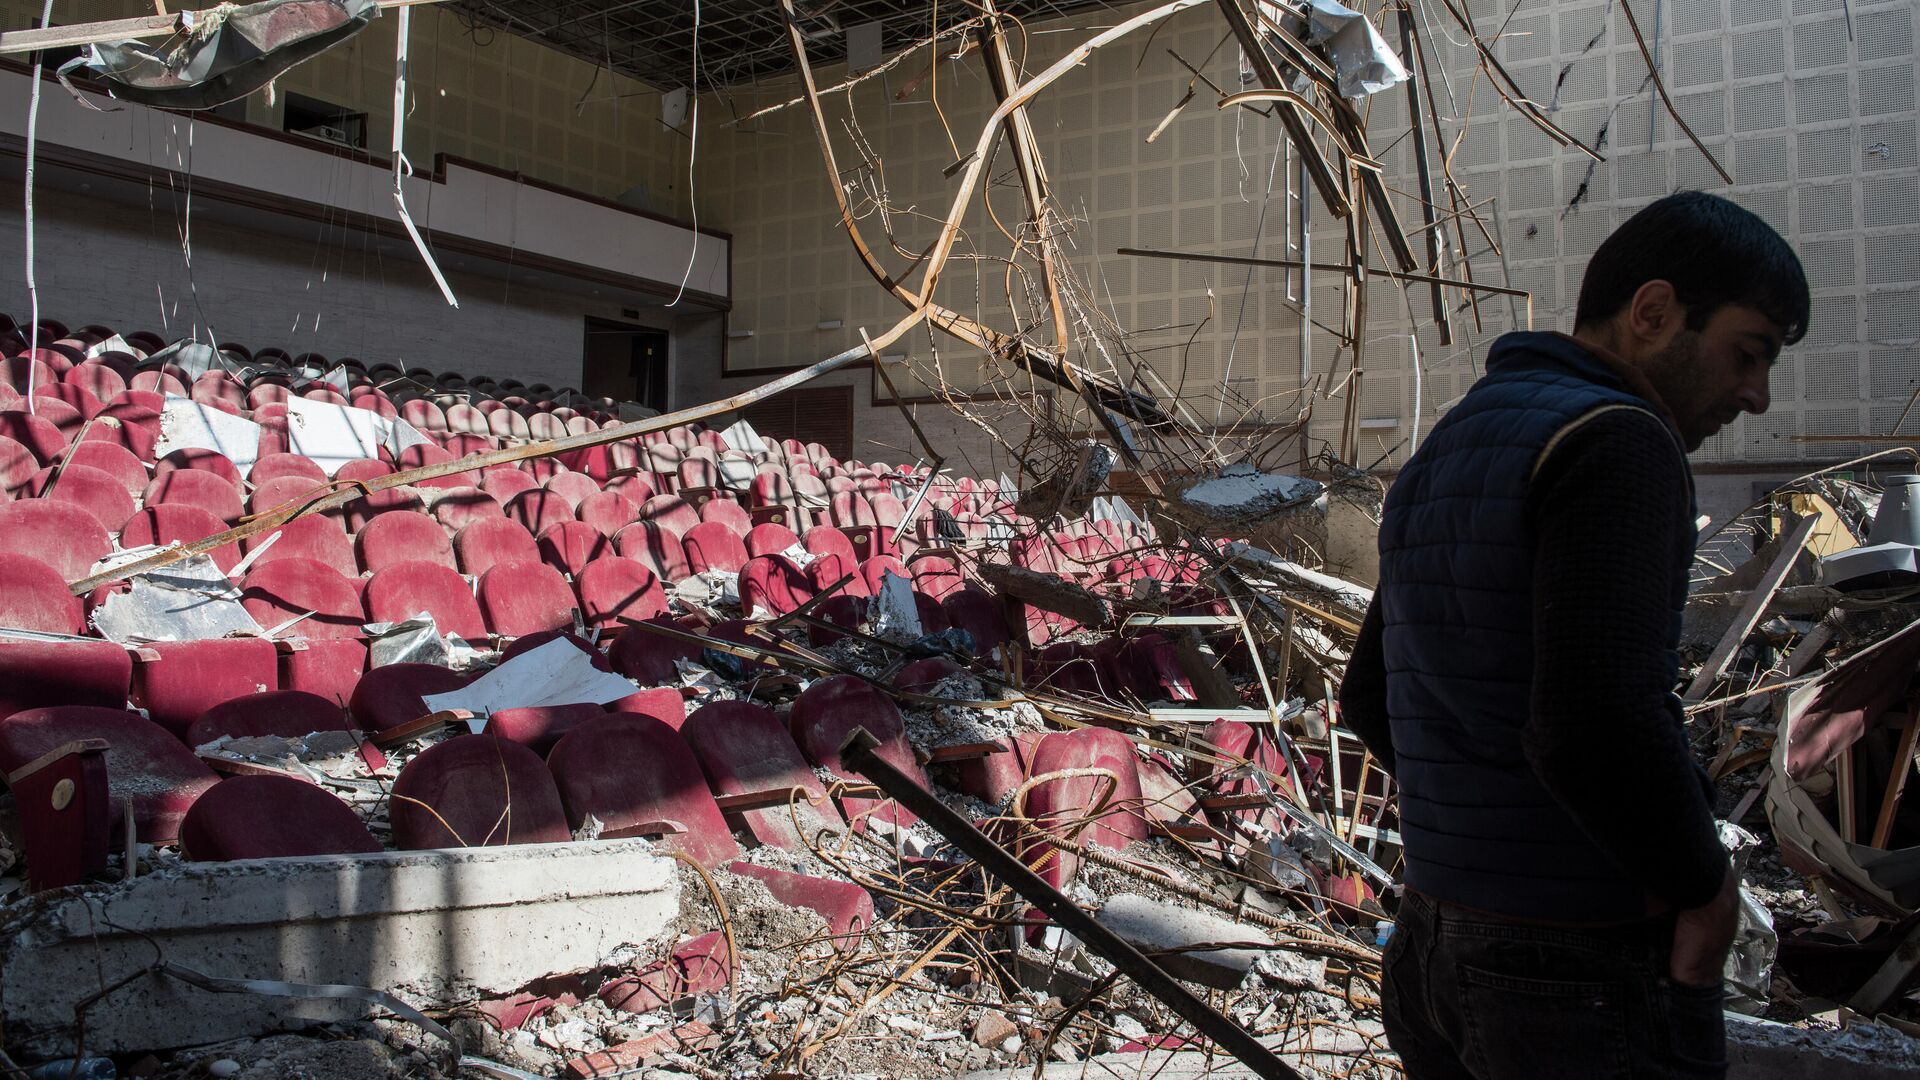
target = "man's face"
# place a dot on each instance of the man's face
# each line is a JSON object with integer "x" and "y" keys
{"x": 1710, "y": 376}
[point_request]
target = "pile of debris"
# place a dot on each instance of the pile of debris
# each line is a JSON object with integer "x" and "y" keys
{"x": 1804, "y": 632}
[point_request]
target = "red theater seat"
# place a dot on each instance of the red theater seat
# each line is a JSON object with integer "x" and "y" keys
{"x": 17, "y": 466}
{"x": 42, "y": 674}
{"x": 540, "y": 726}
{"x": 286, "y": 713}
{"x": 287, "y": 489}
{"x": 404, "y": 589}
{"x": 116, "y": 461}
{"x": 90, "y": 489}
{"x": 743, "y": 749}
{"x": 728, "y": 513}
{"x": 525, "y": 598}
{"x": 274, "y": 466}
{"x": 147, "y": 767}
{"x": 772, "y": 583}
{"x": 270, "y": 817}
{"x": 456, "y": 508}
{"x": 183, "y": 523}
{"x": 361, "y": 511}
{"x": 398, "y": 537}
{"x": 654, "y": 546}
{"x": 38, "y": 435}
{"x": 613, "y": 590}
{"x": 569, "y": 546}
{"x": 633, "y": 772}
{"x": 573, "y": 487}
{"x": 484, "y": 544}
{"x": 475, "y": 790}
{"x": 196, "y": 487}
{"x": 66, "y": 537}
{"x": 536, "y": 509}
{"x": 284, "y": 588}
{"x": 828, "y": 710}
{"x": 606, "y": 511}
{"x": 317, "y": 537}
{"x": 390, "y": 696}
{"x": 671, "y": 511}
{"x": 648, "y": 658}
{"x": 712, "y": 545}
{"x": 770, "y": 539}
{"x": 191, "y": 677}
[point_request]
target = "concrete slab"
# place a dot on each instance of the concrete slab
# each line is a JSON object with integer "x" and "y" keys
{"x": 428, "y": 926}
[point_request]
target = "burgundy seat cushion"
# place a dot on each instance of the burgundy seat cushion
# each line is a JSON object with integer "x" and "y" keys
{"x": 268, "y": 817}
{"x": 387, "y": 697}
{"x": 147, "y": 766}
{"x": 630, "y": 770}
{"x": 612, "y": 589}
{"x": 96, "y": 491}
{"x": 191, "y": 677}
{"x": 63, "y": 536}
{"x": 402, "y": 537}
{"x": 525, "y": 598}
{"x": 712, "y": 545}
{"x": 288, "y": 713}
{"x": 485, "y": 543}
{"x": 828, "y": 711}
{"x": 568, "y": 546}
{"x": 742, "y": 747}
{"x": 34, "y": 596}
{"x": 169, "y": 523}
{"x": 540, "y": 726}
{"x": 656, "y": 546}
{"x": 405, "y": 589}
{"x": 318, "y": 537}
{"x": 285, "y": 588}
{"x": 41, "y": 674}
{"x": 475, "y": 790}
{"x": 772, "y": 583}
{"x": 607, "y": 511}
{"x": 197, "y": 487}
{"x": 537, "y": 508}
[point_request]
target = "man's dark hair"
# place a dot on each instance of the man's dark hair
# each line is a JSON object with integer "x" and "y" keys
{"x": 1712, "y": 251}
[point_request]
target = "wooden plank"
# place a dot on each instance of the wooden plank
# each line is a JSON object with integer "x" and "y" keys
{"x": 1896, "y": 780}
{"x": 67, "y": 37}
{"x": 1750, "y": 613}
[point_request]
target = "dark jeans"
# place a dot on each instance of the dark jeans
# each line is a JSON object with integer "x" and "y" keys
{"x": 1471, "y": 996}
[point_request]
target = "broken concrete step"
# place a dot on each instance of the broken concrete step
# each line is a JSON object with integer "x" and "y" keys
{"x": 432, "y": 927}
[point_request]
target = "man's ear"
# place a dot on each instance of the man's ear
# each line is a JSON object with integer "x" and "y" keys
{"x": 1654, "y": 315}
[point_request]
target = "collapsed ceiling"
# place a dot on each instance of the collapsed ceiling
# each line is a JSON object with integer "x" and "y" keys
{"x": 740, "y": 40}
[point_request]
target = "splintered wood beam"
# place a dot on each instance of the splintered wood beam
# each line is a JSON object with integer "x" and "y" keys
{"x": 1750, "y": 613}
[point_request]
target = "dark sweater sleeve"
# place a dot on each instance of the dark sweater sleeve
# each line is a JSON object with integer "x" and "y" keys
{"x": 1363, "y": 691}
{"x": 1605, "y": 734}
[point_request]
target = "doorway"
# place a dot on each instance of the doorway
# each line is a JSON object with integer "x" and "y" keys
{"x": 625, "y": 362}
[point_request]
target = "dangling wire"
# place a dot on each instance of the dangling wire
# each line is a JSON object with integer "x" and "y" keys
{"x": 693, "y": 154}
{"x": 33, "y": 130}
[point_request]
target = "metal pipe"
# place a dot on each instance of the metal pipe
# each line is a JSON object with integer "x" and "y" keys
{"x": 858, "y": 751}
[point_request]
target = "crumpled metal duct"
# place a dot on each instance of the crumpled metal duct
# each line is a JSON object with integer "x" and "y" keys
{"x": 231, "y": 52}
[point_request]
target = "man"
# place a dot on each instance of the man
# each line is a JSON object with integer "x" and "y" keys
{"x": 1568, "y": 906}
